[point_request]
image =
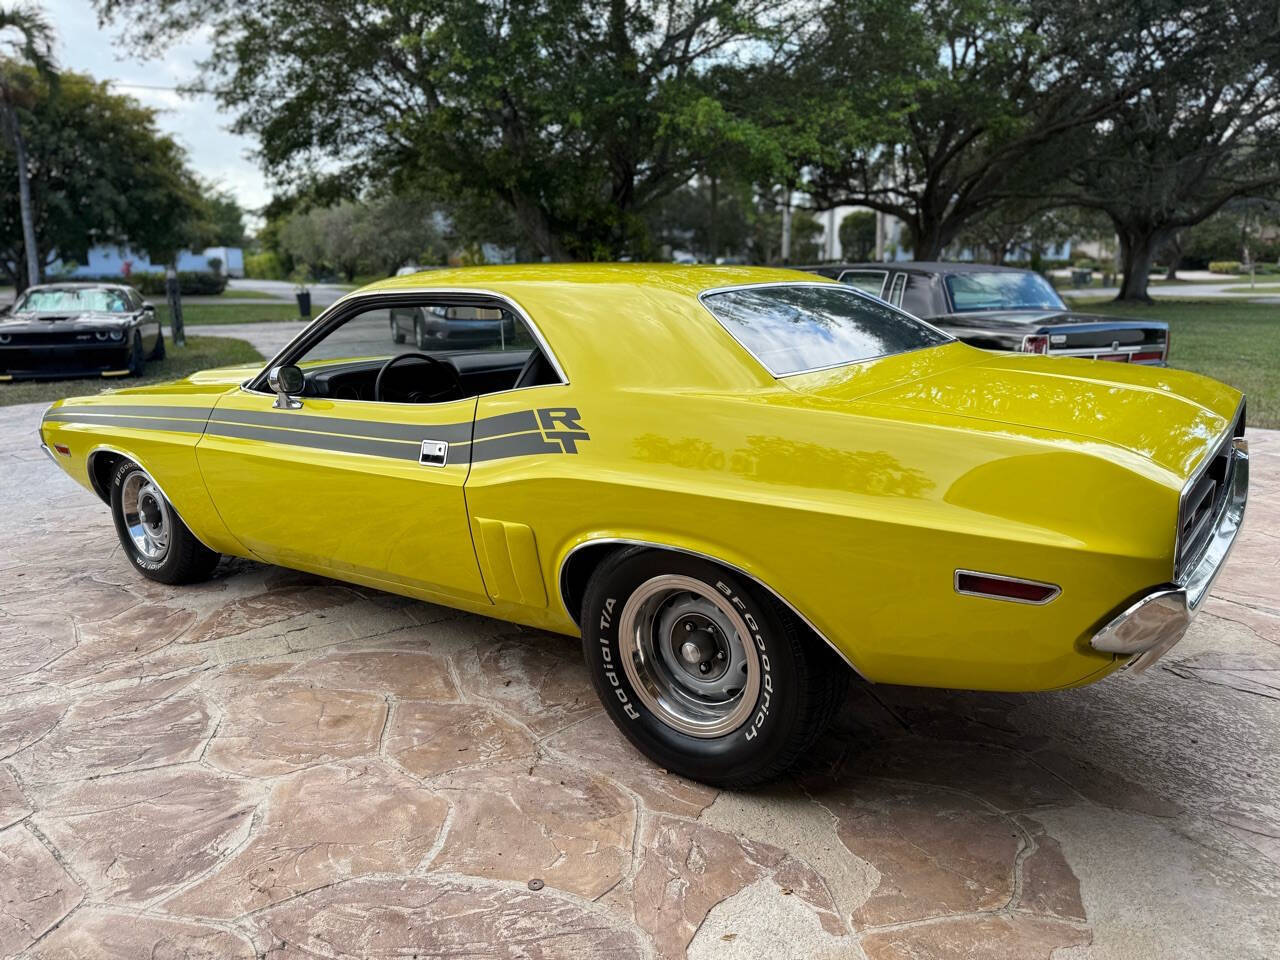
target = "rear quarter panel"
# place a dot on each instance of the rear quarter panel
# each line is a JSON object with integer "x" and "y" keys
{"x": 858, "y": 521}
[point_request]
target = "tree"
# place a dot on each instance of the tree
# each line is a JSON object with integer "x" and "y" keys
{"x": 100, "y": 172}
{"x": 578, "y": 116}
{"x": 30, "y": 37}
{"x": 858, "y": 236}
{"x": 224, "y": 218}
{"x": 980, "y": 94}
{"x": 1205, "y": 131}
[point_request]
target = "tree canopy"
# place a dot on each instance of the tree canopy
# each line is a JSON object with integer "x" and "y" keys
{"x": 100, "y": 173}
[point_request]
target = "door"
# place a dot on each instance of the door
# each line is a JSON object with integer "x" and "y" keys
{"x": 347, "y": 485}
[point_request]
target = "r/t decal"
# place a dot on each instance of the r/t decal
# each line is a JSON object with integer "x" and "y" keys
{"x": 562, "y": 425}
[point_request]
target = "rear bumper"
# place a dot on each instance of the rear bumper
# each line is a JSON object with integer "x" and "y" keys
{"x": 1147, "y": 629}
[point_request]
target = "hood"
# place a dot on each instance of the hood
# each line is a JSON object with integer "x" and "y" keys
{"x": 1169, "y": 417}
{"x": 215, "y": 381}
{"x": 46, "y": 322}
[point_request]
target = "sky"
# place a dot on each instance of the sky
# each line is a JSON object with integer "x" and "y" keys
{"x": 195, "y": 122}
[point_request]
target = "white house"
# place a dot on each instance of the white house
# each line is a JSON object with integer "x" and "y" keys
{"x": 110, "y": 261}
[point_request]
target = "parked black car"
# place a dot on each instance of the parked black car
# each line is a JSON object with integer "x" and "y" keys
{"x": 440, "y": 328}
{"x": 1003, "y": 308}
{"x": 78, "y": 329}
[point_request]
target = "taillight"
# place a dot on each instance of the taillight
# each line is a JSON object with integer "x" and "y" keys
{"x": 1035, "y": 343}
{"x": 1149, "y": 356}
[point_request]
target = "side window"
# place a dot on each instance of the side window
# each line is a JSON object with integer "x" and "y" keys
{"x": 895, "y": 293}
{"x": 441, "y": 350}
{"x": 917, "y": 299}
{"x": 868, "y": 281}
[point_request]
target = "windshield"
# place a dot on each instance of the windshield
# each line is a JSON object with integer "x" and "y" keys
{"x": 1002, "y": 290}
{"x": 96, "y": 300}
{"x": 794, "y": 329}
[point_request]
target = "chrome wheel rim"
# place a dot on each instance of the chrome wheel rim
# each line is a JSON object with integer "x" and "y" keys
{"x": 146, "y": 515}
{"x": 689, "y": 656}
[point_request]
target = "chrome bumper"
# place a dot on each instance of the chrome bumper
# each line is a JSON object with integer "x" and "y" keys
{"x": 1151, "y": 626}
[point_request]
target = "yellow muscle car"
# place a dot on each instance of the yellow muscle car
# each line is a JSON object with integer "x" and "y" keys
{"x": 739, "y": 485}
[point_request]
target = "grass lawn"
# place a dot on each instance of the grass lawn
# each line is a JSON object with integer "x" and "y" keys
{"x": 200, "y": 353}
{"x": 193, "y": 313}
{"x": 230, "y": 294}
{"x": 1238, "y": 343}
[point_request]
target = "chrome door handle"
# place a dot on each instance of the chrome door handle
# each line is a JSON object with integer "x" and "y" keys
{"x": 434, "y": 453}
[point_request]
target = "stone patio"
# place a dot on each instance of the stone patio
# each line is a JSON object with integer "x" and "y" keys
{"x": 276, "y": 765}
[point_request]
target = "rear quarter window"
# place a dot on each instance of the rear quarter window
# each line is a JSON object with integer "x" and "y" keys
{"x": 793, "y": 329}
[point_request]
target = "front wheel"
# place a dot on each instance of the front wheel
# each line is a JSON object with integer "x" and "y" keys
{"x": 396, "y": 335}
{"x": 137, "y": 357}
{"x": 154, "y": 537}
{"x": 708, "y": 676}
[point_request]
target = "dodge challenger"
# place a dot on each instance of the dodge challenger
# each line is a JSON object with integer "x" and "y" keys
{"x": 740, "y": 486}
{"x": 78, "y": 329}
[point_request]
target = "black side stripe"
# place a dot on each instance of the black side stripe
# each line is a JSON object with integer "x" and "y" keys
{"x": 141, "y": 423}
{"x": 515, "y": 434}
{"x": 392, "y": 449}
{"x": 412, "y": 433}
{"x": 134, "y": 410}
{"x": 515, "y": 445}
{"x": 521, "y": 421}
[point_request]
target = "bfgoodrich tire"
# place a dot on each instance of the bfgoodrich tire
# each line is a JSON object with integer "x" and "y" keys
{"x": 156, "y": 541}
{"x": 709, "y": 676}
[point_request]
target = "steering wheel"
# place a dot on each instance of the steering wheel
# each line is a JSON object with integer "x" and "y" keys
{"x": 452, "y": 391}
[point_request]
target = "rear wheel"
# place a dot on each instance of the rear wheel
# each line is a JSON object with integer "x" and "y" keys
{"x": 420, "y": 333}
{"x": 396, "y": 335}
{"x": 707, "y": 675}
{"x": 154, "y": 537}
{"x": 157, "y": 352}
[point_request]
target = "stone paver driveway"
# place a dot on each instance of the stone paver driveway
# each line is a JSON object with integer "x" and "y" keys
{"x": 276, "y": 765}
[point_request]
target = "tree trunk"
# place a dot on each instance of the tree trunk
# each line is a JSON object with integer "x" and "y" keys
{"x": 24, "y": 198}
{"x": 928, "y": 238}
{"x": 1174, "y": 247}
{"x": 173, "y": 293}
{"x": 537, "y": 227}
{"x": 1137, "y": 250}
{"x": 713, "y": 224}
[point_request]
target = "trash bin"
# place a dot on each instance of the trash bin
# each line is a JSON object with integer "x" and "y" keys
{"x": 1081, "y": 277}
{"x": 304, "y": 304}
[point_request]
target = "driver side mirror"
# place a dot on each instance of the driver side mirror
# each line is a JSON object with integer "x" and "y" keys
{"x": 287, "y": 381}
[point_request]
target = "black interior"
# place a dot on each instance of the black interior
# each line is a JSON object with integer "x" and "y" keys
{"x": 414, "y": 380}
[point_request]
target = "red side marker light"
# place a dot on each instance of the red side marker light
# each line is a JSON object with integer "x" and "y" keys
{"x": 63, "y": 449}
{"x": 996, "y": 587}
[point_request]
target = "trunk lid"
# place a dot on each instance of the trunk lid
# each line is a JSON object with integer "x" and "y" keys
{"x": 1169, "y": 417}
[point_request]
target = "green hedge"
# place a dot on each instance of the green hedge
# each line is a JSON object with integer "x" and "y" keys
{"x": 1224, "y": 266}
{"x": 192, "y": 283}
{"x": 264, "y": 266}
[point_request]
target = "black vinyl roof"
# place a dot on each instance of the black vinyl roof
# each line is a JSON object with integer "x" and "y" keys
{"x": 918, "y": 266}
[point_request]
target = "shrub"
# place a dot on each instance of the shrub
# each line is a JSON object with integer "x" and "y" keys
{"x": 191, "y": 282}
{"x": 264, "y": 266}
{"x": 1224, "y": 266}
